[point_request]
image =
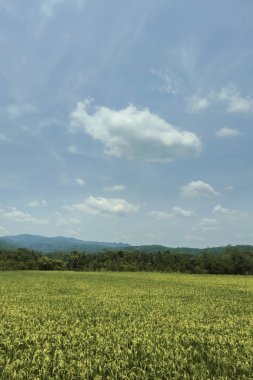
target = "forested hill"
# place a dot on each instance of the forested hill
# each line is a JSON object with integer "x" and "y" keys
{"x": 53, "y": 245}
{"x": 228, "y": 260}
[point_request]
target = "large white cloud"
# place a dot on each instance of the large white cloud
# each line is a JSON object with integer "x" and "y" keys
{"x": 134, "y": 133}
{"x": 198, "y": 189}
{"x": 106, "y": 206}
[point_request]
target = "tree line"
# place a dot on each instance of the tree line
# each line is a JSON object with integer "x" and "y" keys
{"x": 229, "y": 260}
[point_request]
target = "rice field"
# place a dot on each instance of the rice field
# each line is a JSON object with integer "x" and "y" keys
{"x": 77, "y": 326}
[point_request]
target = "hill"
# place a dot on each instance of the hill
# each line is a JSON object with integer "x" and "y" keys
{"x": 56, "y": 244}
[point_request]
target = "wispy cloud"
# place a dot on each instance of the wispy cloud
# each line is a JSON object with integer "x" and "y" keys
{"x": 175, "y": 212}
{"x": 229, "y": 95}
{"x": 17, "y": 110}
{"x": 207, "y": 224}
{"x": 134, "y": 133}
{"x": 115, "y": 188}
{"x": 221, "y": 211}
{"x": 184, "y": 213}
{"x": 37, "y": 203}
{"x": 73, "y": 149}
{"x": 20, "y": 216}
{"x": 197, "y": 104}
{"x": 236, "y": 103}
{"x": 169, "y": 85}
{"x": 80, "y": 181}
{"x": 228, "y": 132}
{"x": 159, "y": 215}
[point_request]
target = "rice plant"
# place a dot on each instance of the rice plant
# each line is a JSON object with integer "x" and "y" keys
{"x": 76, "y": 326}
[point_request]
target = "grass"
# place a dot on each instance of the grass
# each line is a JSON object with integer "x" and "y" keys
{"x": 76, "y": 326}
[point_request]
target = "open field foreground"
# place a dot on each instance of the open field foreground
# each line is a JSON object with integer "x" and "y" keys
{"x": 73, "y": 326}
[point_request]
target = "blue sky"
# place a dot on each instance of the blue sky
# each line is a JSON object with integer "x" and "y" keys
{"x": 127, "y": 121}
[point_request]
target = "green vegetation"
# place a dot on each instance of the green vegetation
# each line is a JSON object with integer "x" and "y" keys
{"x": 22, "y": 259}
{"x": 76, "y": 326}
{"x": 228, "y": 260}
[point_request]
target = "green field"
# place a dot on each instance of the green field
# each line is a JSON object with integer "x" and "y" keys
{"x": 66, "y": 325}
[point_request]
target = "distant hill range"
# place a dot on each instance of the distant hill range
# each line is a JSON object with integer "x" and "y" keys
{"x": 56, "y": 244}
{"x": 47, "y": 245}
{"x": 64, "y": 244}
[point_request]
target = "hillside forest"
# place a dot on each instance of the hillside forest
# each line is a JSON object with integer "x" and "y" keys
{"x": 225, "y": 260}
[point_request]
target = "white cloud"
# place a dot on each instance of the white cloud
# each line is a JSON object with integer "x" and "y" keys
{"x": 175, "y": 212}
{"x": 196, "y": 104}
{"x": 105, "y": 206}
{"x": 227, "y": 212}
{"x": 159, "y": 215}
{"x": 208, "y": 224}
{"x": 134, "y": 133}
{"x": 19, "y": 216}
{"x": 115, "y": 188}
{"x": 235, "y": 102}
{"x": 198, "y": 189}
{"x": 222, "y": 210}
{"x": 37, "y": 203}
{"x": 185, "y": 213}
{"x": 80, "y": 181}
{"x": 228, "y": 132}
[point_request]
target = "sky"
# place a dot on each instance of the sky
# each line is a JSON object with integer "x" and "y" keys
{"x": 127, "y": 121}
